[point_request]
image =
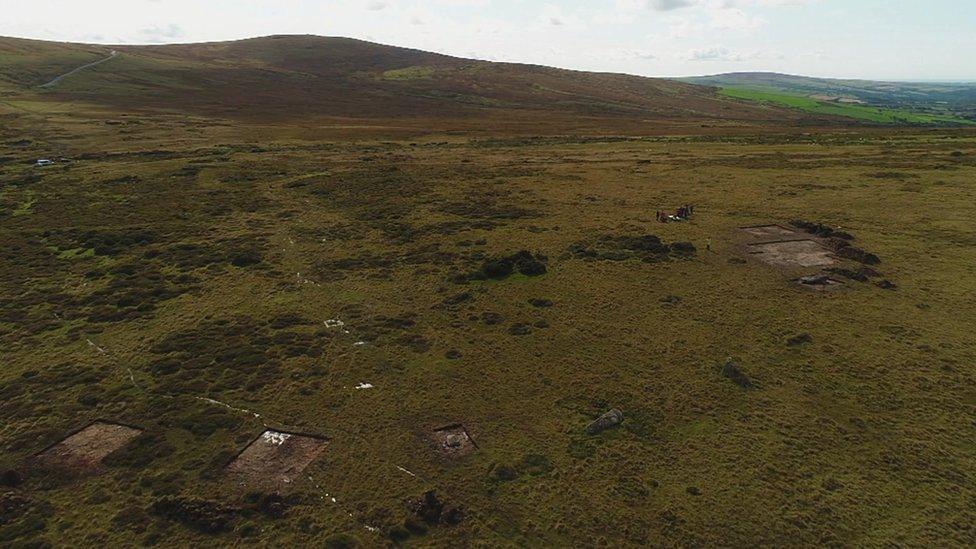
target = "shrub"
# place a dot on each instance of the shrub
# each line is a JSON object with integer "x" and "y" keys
{"x": 341, "y": 541}
{"x": 143, "y": 450}
{"x": 199, "y": 514}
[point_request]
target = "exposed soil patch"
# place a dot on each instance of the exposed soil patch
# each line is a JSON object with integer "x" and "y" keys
{"x": 453, "y": 441}
{"x": 792, "y": 253}
{"x": 85, "y": 449}
{"x": 769, "y": 231}
{"x": 828, "y": 248}
{"x": 275, "y": 459}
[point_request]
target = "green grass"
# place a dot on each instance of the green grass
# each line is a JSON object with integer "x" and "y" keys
{"x": 25, "y": 207}
{"x": 862, "y": 413}
{"x": 859, "y": 112}
{"x": 76, "y": 253}
{"x": 409, "y": 73}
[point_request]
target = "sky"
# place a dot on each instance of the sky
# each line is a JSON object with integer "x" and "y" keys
{"x": 873, "y": 39}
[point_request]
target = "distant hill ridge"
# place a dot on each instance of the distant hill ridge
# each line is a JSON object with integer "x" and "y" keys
{"x": 303, "y": 77}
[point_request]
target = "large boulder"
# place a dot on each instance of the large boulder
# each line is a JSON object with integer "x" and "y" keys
{"x": 606, "y": 421}
{"x": 732, "y": 372}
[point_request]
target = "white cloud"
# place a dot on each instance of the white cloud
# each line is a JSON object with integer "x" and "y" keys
{"x": 658, "y": 5}
{"x": 158, "y": 35}
{"x": 722, "y": 53}
{"x": 553, "y": 15}
{"x": 714, "y": 54}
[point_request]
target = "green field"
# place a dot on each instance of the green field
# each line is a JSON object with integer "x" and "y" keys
{"x": 409, "y": 73}
{"x": 860, "y": 112}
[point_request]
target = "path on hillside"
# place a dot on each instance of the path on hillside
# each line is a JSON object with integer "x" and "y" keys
{"x": 54, "y": 82}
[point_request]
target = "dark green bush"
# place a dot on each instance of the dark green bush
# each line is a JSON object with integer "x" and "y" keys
{"x": 140, "y": 452}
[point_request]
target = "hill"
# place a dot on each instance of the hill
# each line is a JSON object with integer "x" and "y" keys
{"x": 912, "y": 102}
{"x": 309, "y": 77}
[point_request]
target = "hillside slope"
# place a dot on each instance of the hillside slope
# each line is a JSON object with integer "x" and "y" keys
{"x": 305, "y": 77}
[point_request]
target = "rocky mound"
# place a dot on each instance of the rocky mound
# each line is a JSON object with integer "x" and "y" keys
{"x": 523, "y": 262}
{"x": 647, "y": 248}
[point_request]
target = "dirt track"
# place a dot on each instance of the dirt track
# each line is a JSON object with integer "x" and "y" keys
{"x": 55, "y": 81}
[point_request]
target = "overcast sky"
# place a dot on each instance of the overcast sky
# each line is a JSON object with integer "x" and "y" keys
{"x": 879, "y": 39}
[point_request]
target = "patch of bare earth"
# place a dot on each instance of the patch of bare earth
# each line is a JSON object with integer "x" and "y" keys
{"x": 85, "y": 449}
{"x": 770, "y": 231}
{"x": 275, "y": 459}
{"x": 453, "y": 441}
{"x": 792, "y": 253}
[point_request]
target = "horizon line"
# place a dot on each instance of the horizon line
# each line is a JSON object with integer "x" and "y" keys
{"x": 947, "y": 80}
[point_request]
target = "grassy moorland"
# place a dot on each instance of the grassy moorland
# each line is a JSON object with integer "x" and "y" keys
{"x": 205, "y": 275}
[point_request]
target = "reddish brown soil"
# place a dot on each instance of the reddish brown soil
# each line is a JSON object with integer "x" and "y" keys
{"x": 792, "y": 253}
{"x": 275, "y": 459}
{"x": 453, "y": 441}
{"x": 770, "y": 231}
{"x": 86, "y": 449}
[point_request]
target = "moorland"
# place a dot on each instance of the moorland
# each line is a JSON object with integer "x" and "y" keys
{"x": 311, "y": 291}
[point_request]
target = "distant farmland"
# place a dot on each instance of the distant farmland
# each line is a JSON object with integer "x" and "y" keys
{"x": 860, "y": 112}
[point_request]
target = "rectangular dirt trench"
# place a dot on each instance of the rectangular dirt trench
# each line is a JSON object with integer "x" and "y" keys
{"x": 85, "y": 449}
{"x": 792, "y": 253}
{"x": 769, "y": 231}
{"x": 275, "y": 459}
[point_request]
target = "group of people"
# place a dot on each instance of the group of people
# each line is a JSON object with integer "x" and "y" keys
{"x": 681, "y": 214}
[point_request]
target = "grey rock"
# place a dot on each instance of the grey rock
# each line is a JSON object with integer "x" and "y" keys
{"x": 606, "y": 421}
{"x": 732, "y": 371}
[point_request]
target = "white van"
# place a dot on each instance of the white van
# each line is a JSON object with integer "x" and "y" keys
{"x": 44, "y": 162}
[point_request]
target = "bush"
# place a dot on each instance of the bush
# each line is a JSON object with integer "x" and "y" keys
{"x": 199, "y": 514}
{"x": 505, "y": 473}
{"x": 535, "y": 464}
{"x": 143, "y": 450}
{"x": 207, "y": 422}
{"x": 11, "y": 478}
{"x": 341, "y": 541}
{"x": 131, "y": 518}
{"x": 524, "y": 262}
{"x": 243, "y": 259}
